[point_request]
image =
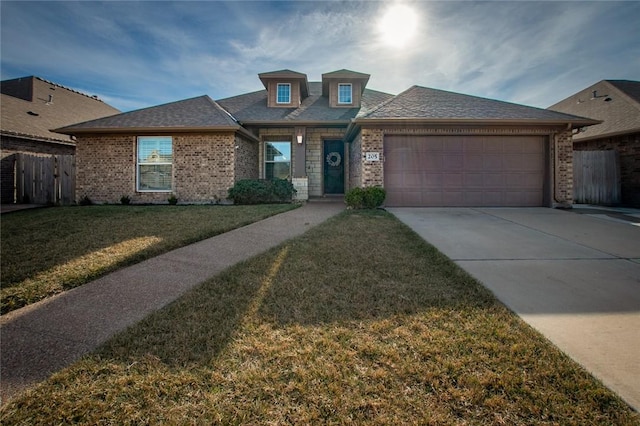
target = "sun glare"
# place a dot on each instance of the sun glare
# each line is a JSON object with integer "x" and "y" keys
{"x": 398, "y": 25}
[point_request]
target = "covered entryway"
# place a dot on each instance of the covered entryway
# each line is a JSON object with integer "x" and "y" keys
{"x": 464, "y": 171}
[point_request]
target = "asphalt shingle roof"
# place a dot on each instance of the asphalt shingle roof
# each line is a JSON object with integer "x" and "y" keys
{"x": 32, "y": 107}
{"x": 195, "y": 113}
{"x": 252, "y": 107}
{"x": 425, "y": 103}
{"x": 616, "y": 103}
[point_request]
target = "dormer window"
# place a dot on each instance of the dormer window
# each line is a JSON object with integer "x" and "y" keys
{"x": 345, "y": 93}
{"x": 283, "y": 93}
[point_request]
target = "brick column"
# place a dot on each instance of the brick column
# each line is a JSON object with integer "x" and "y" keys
{"x": 372, "y": 171}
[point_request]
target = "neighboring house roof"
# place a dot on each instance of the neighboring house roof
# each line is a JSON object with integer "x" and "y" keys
{"x": 200, "y": 113}
{"x": 251, "y": 108}
{"x": 614, "y": 102}
{"x": 426, "y": 104}
{"x": 32, "y": 107}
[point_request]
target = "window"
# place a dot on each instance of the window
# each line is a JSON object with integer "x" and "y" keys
{"x": 284, "y": 93}
{"x": 277, "y": 160}
{"x": 344, "y": 93}
{"x": 154, "y": 163}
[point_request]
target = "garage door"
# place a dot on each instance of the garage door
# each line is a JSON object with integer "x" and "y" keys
{"x": 464, "y": 171}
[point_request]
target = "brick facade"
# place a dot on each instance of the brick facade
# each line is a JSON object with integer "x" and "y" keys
{"x": 628, "y": 147}
{"x": 205, "y": 166}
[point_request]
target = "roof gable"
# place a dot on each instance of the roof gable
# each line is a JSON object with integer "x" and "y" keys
{"x": 190, "y": 114}
{"x": 344, "y": 76}
{"x": 252, "y": 107}
{"x": 615, "y": 102}
{"x": 422, "y": 103}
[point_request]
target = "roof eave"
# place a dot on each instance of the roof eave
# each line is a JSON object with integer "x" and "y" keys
{"x": 291, "y": 123}
{"x": 576, "y": 137}
{"x": 36, "y": 138}
{"x": 451, "y": 121}
{"x": 167, "y": 129}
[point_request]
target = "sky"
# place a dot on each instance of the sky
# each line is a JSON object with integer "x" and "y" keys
{"x": 138, "y": 54}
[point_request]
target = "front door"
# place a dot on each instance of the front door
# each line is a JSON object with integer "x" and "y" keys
{"x": 334, "y": 167}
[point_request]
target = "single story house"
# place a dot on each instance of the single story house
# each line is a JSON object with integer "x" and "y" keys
{"x": 426, "y": 147}
{"x": 31, "y": 107}
{"x": 617, "y": 104}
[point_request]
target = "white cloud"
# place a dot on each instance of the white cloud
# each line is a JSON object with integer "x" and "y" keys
{"x": 136, "y": 54}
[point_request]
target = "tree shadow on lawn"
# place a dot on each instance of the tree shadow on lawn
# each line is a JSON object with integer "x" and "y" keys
{"x": 358, "y": 318}
{"x": 343, "y": 271}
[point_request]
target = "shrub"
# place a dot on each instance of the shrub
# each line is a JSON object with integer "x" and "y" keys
{"x": 374, "y": 197}
{"x": 354, "y": 198}
{"x": 365, "y": 198}
{"x": 260, "y": 191}
{"x": 172, "y": 200}
{"x": 125, "y": 200}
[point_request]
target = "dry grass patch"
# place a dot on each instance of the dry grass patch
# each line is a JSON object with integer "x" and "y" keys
{"x": 356, "y": 322}
{"x": 47, "y": 251}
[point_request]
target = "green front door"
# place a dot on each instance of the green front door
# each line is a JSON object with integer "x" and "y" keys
{"x": 333, "y": 167}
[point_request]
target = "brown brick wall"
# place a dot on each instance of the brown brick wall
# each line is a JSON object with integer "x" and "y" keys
{"x": 246, "y": 159}
{"x": 372, "y": 171}
{"x": 105, "y": 168}
{"x": 203, "y": 168}
{"x": 562, "y": 157}
{"x": 628, "y": 147}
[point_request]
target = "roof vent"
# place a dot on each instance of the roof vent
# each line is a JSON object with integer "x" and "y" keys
{"x": 35, "y": 114}
{"x": 50, "y": 101}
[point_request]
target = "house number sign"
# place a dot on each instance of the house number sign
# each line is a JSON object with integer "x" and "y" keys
{"x": 372, "y": 156}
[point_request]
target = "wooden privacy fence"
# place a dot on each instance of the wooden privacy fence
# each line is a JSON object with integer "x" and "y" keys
{"x": 596, "y": 177}
{"x": 45, "y": 179}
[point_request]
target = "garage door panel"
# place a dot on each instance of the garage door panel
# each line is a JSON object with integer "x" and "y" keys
{"x": 464, "y": 170}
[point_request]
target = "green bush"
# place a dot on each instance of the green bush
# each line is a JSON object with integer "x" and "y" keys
{"x": 260, "y": 191}
{"x": 173, "y": 200}
{"x": 354, "y": 198}
{"x": 374, "y": 197}
{"x": 125, "y": 200}
{"x": 365, "y": 198}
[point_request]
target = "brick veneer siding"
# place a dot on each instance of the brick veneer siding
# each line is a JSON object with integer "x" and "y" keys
{"x": 628, "y": 147}
{"x": 562, "y": 158}
{"x": 204, "y": 168}
{"x": 105, "y": 168}
{"x": 246, "y": 158}
{"x": 371, "y": 173}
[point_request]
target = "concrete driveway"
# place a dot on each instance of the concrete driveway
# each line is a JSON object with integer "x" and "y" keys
{"x": 573, "y": 277}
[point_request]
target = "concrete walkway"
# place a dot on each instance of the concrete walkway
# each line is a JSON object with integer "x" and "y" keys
{"x": 572, "y": 275}
{"x": 45, "y": 337}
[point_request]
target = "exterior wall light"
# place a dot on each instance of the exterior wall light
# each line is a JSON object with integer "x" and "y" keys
{"x": 299, "y": 139}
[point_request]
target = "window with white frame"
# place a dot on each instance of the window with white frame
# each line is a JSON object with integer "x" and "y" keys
{"x": 283, "y": 93}
{"x": 344, "y": 93}
{"x": 277, "y": 160}
{"x": 154, "y": 163}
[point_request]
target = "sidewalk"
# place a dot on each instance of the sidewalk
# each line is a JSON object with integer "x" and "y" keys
{"x": 45, "y": 337}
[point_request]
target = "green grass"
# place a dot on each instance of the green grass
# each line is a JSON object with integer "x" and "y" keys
{"x": 47, "y": 251}
{"x": 358, "y": 321}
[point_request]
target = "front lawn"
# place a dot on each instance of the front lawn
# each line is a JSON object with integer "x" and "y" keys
{"x": 358, "y": 321}
{"x": 47, "y": 251}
